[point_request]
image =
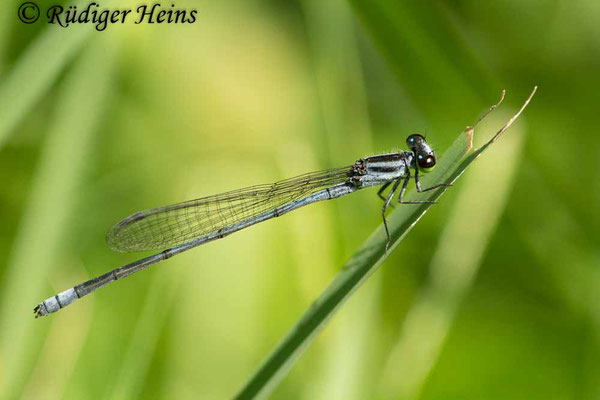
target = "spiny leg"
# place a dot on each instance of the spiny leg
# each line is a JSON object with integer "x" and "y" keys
{"x": 417, "y": 180}
{"x": 385, "y": 185}
{"x": 403, "y": 190}
{"x": 385, "y": 206}
{"x": 418, "y": 183}
{"x": 401, "y": 196}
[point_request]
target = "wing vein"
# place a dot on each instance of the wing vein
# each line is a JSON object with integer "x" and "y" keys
{"x": 168, "y": 226}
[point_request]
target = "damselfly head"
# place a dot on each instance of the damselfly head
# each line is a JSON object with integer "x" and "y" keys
{"x": 424, "y": 154}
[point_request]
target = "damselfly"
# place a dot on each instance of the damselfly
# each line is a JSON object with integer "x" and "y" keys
{"x": 182, "y": 226}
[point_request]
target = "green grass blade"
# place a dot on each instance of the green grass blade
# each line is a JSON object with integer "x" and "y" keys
{"x": 364, "y": 263}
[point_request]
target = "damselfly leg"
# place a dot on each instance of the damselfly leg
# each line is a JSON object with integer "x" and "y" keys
{"x": 381, "y": 189}
{"x": 387, "y": 200}
{"x": 403, "y": 190}
{"x": 385, "y": 206}
{"x": 418, "y": 184}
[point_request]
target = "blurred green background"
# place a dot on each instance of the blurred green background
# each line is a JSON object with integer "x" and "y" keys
{"x": 494, "y": 294}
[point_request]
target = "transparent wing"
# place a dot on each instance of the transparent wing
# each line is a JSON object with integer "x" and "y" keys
{"x": 165, "y": 227}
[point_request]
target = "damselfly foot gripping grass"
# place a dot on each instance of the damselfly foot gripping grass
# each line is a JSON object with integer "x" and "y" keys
{"x": 182, "y": 226}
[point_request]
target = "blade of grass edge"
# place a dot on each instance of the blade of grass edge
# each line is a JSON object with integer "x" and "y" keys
{"x": 365, "y": 262}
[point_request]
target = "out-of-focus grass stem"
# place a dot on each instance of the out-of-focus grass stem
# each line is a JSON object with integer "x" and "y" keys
{"x": 47, "y": 215}
{"x": 35, "y": 73}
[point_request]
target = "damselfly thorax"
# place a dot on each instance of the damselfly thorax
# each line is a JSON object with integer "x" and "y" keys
{"x": 377, "y": 170}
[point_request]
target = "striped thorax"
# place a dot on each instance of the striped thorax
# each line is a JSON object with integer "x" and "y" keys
{"x": 375, "y": 170}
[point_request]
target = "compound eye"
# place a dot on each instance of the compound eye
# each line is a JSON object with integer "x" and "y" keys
{"x": 426, "y": 162}
{"x": 414, "y": 139}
